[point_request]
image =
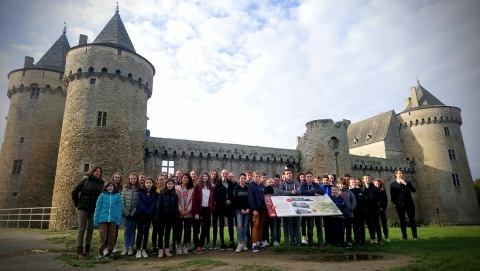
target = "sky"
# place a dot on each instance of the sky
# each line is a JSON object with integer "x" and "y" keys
{"x": 254, "y": 72}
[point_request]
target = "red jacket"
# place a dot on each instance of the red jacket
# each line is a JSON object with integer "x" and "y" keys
{"x": 197, "y": 200}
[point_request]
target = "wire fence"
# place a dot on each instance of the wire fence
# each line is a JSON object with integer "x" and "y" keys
{"x": 39, "y": 218}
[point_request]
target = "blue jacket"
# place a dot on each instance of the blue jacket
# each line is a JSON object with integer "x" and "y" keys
{"x": 108, "y": 209}
{"x": 311, "y": 190}
{"x": 327, "y": 189}
{"x": 256, "y": 197}
{"x": 340, "y": 204}
{"x": 146, "y": 204}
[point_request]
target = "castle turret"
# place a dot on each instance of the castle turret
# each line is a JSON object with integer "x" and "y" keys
{"x": 432, "y": 137}
{"x": 105, "y": 115}
{"x": 324, "y": 147}
{"x": 30, "y": 148}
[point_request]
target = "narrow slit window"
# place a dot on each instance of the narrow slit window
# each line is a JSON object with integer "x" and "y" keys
{"x": 92, "y": 81}
{"x": 456, "y": 182}
{"x": 35, "y": 93}
{"x": 86, "y": 167}
{"x": 451, "y": 154}
{"x": 447, "y": 131}
{"x": 17, "y": 166}
{"x": 22, "y": 139}
{"x": 102, "y": 118}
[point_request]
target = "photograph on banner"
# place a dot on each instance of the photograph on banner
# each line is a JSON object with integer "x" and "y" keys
{"x": 288, "y": 206}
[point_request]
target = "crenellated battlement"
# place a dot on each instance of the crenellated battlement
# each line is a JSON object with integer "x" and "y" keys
{"x": 430, "y": 120}
{"x": 380, "y": 164}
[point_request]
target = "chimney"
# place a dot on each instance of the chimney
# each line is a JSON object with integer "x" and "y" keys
{"x": 408, "y": 102}
{"x": 83, "y": 39}
{"x": 28, "y": 62}
{"x": 413, "y": 92}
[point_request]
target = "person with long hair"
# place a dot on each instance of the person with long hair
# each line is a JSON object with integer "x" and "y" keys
{"x": 214, "y": 179}
{"x": 160, "y": 184}
{"x": 146, "y": 201}
{"x": 382, "y": 208}
{"x": 202, "y": 207}
{"x": 184, "y": 193}
{"x": 108, "y": 216}
{"x": 166, "y": 213}
{"x": 85, "y": 196}
{"x": 129, "y": 207}
{"x": 242, "y": 210}
{"x": 117, "y": 181}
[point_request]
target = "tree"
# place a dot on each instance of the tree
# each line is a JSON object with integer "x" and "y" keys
{"x": 476, "y": 183}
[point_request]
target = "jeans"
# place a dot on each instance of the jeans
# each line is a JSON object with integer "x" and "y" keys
{"x": 359, "y": 226}
{"x": 337, "y": 228}
{"x": 411, "y": 217}
{"x": 143, "y": 225}
{"x": 258, "y": 222}
{"x": 106, "y": 231}
{"x": 108, "y": 236}
{"x": 129, "y": 233}
{"x": 373, "y": 223}
{"x": 242, "y": 221}
{"x": 275, "y": 228}
{"x": 293, "y": 224}
{"x": 310, "y": 221}
{"x": 204, "y": 223}
{"x": 383, "y": 218}
{"x": 164, "y": 227}
{"x": 228, "y": 212}
{"x": 85, "y": 222}
{"x": 185, "y": 225}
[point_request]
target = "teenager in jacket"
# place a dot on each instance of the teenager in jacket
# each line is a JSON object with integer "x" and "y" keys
{"x": 159, "y": 184}
{"x": 203, "y": 204}
{"x": 129, "y": 206}
{"x": 291, "y": 187}
{"x": 117, "y": 181}
{"x": 108, "y": 215}
{"x": 382, "y": 208}
{"x": 242, "y": 210}
{"x": 338, "y": 221}
{"x": 275, "y": 225}
{"x": 214, "y": 177}
{"x": 372, "y": 200}
{"x": 146, "y": 200}
{"x": 184, "y": 193}
{"x": 166, "y": 215}
{"x": 401, "y": 196}
{"x": 85, "y": 196}
{"x": 223, "y": 198}
{"x": 358, "y": 213}
{"x": 310, "y": 188}
{"x": 256, "y": 201}
{"x": 327, "y": 187}
{"x": 351, "y": 203}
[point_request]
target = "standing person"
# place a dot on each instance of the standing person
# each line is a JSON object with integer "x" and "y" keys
{"x": 117, "y": 181}
{"x": 194, "y": 176}
{"x": 331, "y": 180}
{"x": 372, "y": 200}
{"x": 318, "y": 180}
{"x": 358, "y": 213}
{"x": 242, "y": 210}
{"x": 359, "y": 183}
{"x": 165, "y": 174}
{"x": 232, "y": 178}
{"x": 327, "y": 225}
{"x": 269, "y": 182}
{"x": 223, "y": 197}
{"x": 108, "y": 215}
{"x": 179, "y": 175}
{"x": 350, "y": 204}
{"x": 338, "y": 221}
{"x": 346, "y": 178}
{"x": 203, "y": 204}
{"x": 146, "y": 201}
{"x": 291, "y": 187}
{"x": 401, "y": 196}
{"x": 85, "y": 196}
{"x": 129, "y": 207}
{"x": 185, "y": 194}
{"x": 266, "y": 224}
{"x": 160, "y": 184}
{"x": 300, "y": 177}
{"x": 275, "y": 222}
{"x": 166, "y": 213}
{"x": 214, "y": 178}
{"x": 256, "y": 201}
{"x": 141, "y": 179}
{"x": 310, "y": 188}
{"x": 250, "y": 224}
{"x": 382, "y": 208}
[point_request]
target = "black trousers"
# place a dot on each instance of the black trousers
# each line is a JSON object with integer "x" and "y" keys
{"x": 227, "y": 212}
{"x": 266, "y": 227}
{"x": 327, "y": 228}
{"x": 164, "y": 228}
{"x": 310, "y": 222}
{"x": 214, "y": 226}
{"x": 202, "y": 223}
{"x": 304, "y": 226}
{"x": 143, "y": 228}
{"x": 373, "y": 223}
{"x": 411, "y": 217}
{"x": 155, "y": 226}
{"x": 359, "y": 226}
{"x": 348, "y": 229}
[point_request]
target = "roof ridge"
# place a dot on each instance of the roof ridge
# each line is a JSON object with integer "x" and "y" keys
{"x": 115, "y": 32}
{"x": 54, "y": 58}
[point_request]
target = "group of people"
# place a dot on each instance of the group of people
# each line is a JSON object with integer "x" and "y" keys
{"x": 175, "y": 205}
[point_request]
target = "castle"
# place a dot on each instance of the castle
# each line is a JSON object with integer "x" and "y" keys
{"x": 86, "y": 105}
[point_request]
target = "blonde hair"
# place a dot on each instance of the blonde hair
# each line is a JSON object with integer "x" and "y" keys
{"x": 257, "y": 173}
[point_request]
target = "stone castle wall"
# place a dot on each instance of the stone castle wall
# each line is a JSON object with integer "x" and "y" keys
{"x": 39, "y": 122}
{"x": 425, "y": 141}
{"x": 201, "y": 156}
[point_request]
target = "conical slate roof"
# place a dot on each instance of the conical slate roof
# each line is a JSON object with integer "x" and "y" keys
{"x": 54, "y": 58}
{"x": 426, "y": 98}
{"x": 115, "y": 33}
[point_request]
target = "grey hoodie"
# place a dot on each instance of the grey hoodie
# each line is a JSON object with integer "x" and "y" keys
{"x": 286, "y": 188}
{"x": 350, "y": 201}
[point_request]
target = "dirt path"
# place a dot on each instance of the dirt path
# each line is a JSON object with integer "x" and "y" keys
{"x": 16, "y": 253}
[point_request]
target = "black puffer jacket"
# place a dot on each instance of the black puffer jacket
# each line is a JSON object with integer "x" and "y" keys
{"x": 372, "y": 197}
{"x": 167, "y": 206}
{"x": 86, "y": 193}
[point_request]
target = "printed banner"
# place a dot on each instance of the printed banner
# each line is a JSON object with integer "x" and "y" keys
{"x": 289, "y": 206}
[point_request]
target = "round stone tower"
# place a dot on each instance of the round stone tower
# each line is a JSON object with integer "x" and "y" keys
{"x": 30, "y": 148}
{"x": 105, "y": 114}
{"x": 324, "y": 147}
{"x": 432, "y": 138}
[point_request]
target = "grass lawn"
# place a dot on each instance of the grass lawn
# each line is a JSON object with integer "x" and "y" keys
{"x": 439, "y": 248}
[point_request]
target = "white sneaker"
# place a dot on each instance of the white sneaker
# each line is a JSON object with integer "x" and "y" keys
{"x": 125, "y": 251}
{"x": 304, "y": 240}
{"x": 144, "y": 254}
{"x": 261, "y": 244}
{"x": 244, "y": 247}
{"x": 239, "y": 248}
{"x": 266, "y": 243}
{"x": 388, "y": 240}
{"x": 275, "y": 243}
{"x": 179, "y": 250}
{"x": 105, "y": 251}
{"x": 115, "y": 250}
{"x": 185, "y": 250}
{"x": 139, "y": 255}
{"x": 130, "y": 251}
